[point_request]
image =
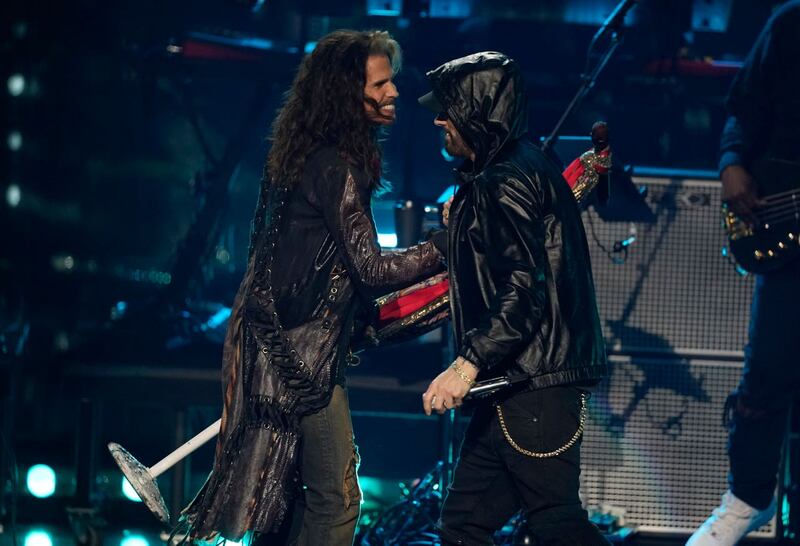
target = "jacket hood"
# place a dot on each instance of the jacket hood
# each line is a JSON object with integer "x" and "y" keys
{"x": 484, "y": 96}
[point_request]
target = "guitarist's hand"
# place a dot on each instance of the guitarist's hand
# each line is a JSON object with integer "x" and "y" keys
{"x": 739, "y": 193}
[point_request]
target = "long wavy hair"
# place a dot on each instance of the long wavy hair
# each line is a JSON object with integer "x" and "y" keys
{"x": 325, "y": 106}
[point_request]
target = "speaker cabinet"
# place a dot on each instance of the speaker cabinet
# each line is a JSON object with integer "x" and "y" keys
{"x": 654, "y": 444}
{"x": 673, "y": 292}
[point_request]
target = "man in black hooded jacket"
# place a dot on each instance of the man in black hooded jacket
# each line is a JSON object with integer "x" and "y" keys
{"x": 522, "y": 302}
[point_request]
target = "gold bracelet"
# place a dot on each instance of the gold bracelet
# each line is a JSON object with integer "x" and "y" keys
{"x": 460, "y": 373}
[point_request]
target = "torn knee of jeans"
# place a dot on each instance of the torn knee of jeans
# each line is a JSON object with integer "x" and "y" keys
{"x": 350, "y": 487}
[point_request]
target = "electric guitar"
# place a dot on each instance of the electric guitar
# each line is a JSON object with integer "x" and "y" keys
{"x": 775, "y": 239}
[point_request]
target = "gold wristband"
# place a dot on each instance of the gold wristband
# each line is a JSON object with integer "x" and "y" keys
{"x": 460, "y": 373}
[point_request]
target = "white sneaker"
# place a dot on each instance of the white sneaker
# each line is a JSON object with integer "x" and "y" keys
{"x": 729, "y": 522}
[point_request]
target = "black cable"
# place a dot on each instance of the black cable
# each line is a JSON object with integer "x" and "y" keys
{"x": 610, "y": 253}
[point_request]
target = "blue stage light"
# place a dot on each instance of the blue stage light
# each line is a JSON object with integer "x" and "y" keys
{"x": 218, "y": 318}
{"x": 450, "y": 8}
{"x": 384, "y": 8}
{"x": 128, "y": 492}
{"x": 449, "y": 192}
{"x": 134, "y": 540}
{"x": 118, "y": 310}
{"x": 446, "y": 155}
{"x": 16, "y": 84}
{"x": 387, "y": 240}
{"x": 14, "y": 141}
{"x": 13, "y": 195}
{"x": 41, "y": 481}
{"x": 38, "y": 538}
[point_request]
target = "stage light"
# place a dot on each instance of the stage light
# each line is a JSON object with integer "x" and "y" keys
{"x": 19, "y": 29}
{"x": 456, "y": 9}
{"x": 128, "y": 492}
{"x": 218, "y": 318}
{"x": 387, "y": 240}
{"x": 61, "y": 342}
{"x": 118, "y": 310}
{"x": 223, "y": 255}
{"x": 369, "y": 486}
{"x": 309, "y": 47}
{"x": 62, "y": 263}
{"x": 13, "y": 195}
{"x": 16, "y": 84}
{"x": 384, "y": 8}
{"x": 711, "y": 16}
{"x": 41, "y": 481}
{"x": 445, "y": 196}
{"x": 134, "y": 540}
{"x": 38, "y": 538}
{"x": 257, "y": 6}
{"x": 14, "y": 141}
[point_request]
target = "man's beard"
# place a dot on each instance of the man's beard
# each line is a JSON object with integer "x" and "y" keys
{"x": 454, "y": 147}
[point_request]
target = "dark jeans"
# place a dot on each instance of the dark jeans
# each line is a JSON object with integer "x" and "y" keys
{"x": 493, "y": 481}
{"x": 760, "y": 406}
{"x": 327, "y": 511}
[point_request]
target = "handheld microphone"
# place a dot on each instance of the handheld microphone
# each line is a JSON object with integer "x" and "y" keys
{"x": 491, "y": 386}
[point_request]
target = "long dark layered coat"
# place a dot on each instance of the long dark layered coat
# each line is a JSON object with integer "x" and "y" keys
{"x": 314, "y": 265}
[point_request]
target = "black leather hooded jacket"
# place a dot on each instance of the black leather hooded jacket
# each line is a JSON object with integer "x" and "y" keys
{"x": 522, "y": 295}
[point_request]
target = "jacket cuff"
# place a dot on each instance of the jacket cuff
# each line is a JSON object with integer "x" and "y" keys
{"x": 439, "y": 239}
{"x": 468, "y": 354}
{"x": 730, "y": 157}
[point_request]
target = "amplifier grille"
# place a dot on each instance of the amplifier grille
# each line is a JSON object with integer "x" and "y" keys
{"x": 654, "y": 444}
{"x": 675, "y": 293}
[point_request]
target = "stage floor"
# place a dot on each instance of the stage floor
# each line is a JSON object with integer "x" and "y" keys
{"x": 62, "y": 536}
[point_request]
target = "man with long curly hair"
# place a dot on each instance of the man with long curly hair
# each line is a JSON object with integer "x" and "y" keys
{"x": 285, "y": 458}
